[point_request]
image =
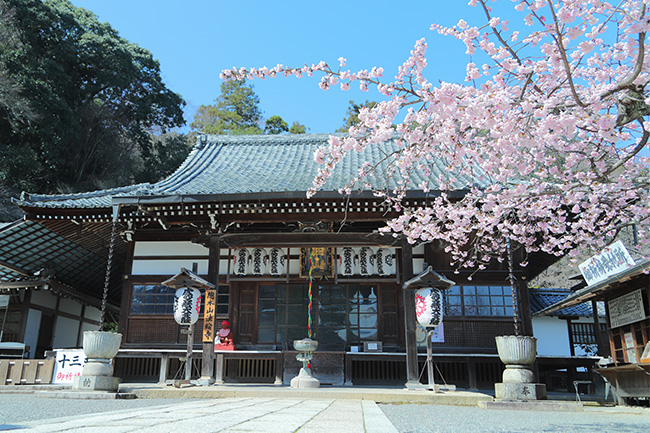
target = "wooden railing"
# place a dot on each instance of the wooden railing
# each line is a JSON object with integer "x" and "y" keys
{"x": 26, "y": 371}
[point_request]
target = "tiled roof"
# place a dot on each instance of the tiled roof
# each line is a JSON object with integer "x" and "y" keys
{"x": 27, "y": 249}
{"x": 222, "y": 165}
{"x": 542, "y": 298}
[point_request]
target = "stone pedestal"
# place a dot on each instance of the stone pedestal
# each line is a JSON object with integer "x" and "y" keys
{"x": 520, "y": 391}
{"x": 304, "y": 380}
{"x": 96, "y": 383}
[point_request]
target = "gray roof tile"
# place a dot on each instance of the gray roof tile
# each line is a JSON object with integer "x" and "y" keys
{"x": 225, "y": 164}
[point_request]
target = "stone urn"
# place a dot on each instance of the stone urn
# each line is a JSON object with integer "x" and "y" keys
{"x": 518, "y": 353}
{"x": 304, "y": 378}
{"x": 100, "y": 348}
{"x": 101, "y": 344}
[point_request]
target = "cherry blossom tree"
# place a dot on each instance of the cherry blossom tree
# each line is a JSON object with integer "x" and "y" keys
{"x": 550, "y": 124}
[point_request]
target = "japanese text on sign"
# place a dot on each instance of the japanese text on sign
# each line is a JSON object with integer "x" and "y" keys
{"x": 208, "y": 315}
{"x": 611, "y": 261}
{"x": 69, "y": 363}
{"x": 626, "y": 309}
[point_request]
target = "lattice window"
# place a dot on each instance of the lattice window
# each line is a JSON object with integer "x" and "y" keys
{"x": 487, "y": 301}
{"x": 152, "y": 299}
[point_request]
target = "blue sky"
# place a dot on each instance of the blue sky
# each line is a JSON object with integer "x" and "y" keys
{"x": 195, "y": 39}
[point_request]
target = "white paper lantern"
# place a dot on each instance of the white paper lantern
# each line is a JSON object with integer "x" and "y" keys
{"x": 384, "y": 262}
{"x": 364, "y": 260}
{"x": 429, "y": 307}
{"x": 240, "y": 262}
{"x": 187, "y": 306}
{"x": 346, "y": 261}
{"x": 275, "y": 261}
{"x": 257, "y": 259}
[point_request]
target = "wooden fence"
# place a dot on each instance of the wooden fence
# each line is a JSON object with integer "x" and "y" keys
{"x": 26, "y": 371}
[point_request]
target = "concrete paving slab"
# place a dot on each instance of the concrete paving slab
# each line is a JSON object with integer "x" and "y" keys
{"x": 539, "y": 405}
{"x": 375, "y": 420}
{"x": 242, "y": 415}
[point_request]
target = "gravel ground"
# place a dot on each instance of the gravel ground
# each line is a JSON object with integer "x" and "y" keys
{"x": 414, "y": 418}
{"x": 407, "y": 418}
{"x": 17, "y": 408}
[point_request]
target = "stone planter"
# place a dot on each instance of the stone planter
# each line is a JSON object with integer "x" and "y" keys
{"x": 101, "y": 345}
{"x": 518, "y": 353}
{"x": 97, "y": 375}
{"x": 517, "y": 349}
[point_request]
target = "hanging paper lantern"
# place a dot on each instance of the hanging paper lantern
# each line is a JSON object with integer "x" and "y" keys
{"x": 240, "y": 262}
{"x": 365, "y": 263}
{"x": 428, "y": 307}
{"x": 346, "y": 261}
{"x": 275, "y": 261}
{"x": 187, "y": 306}
{"x": 384, "y": 262}
{"x": 257, "y": 259}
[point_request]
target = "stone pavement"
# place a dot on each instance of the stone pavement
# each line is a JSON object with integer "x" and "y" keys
{"x": 270, "y": 415}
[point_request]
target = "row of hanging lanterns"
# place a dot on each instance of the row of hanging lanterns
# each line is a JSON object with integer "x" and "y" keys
{"x": 364, "y": 261}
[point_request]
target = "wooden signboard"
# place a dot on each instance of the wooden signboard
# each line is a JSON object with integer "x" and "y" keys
{"x": 208, "y": 315}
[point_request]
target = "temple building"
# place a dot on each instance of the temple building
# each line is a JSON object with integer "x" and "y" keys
{"x": 236, "y": 212}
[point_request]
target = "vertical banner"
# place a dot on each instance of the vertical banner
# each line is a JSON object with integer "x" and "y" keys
{"x": 208, "y": 315}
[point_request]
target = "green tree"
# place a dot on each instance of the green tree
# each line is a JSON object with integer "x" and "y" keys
{"x": 275, "y": 125}
{"x": 297, "y": 128}
{"x": 236, "y": 111}
{"x": 166, "y": 154}
{"x": 95, "y": 98}
{"x": 352, "y": 117}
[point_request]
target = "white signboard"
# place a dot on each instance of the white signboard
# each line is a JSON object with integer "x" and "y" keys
{"x": 613, "y": 260}
{"x": 4, "y": 301}
{"x": 626, "y": 309}
{"x": 69, "y": 363}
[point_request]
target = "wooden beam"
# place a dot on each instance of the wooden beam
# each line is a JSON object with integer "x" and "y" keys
{"x": 15, "y": 269}
{"x": 295, "y": 239}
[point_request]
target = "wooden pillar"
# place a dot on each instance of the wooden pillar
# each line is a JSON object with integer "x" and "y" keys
{"x": 471, "y": 374}
{"x": 524, "y": 309}
{"x": 207, "y": 363}
{"x": 599, "y": 335}
{"x": 408, "y": 295}
{"x": 164, "y": 362}
{"x": 571, "y": 340}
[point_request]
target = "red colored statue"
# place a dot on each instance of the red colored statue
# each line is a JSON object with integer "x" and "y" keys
{"x": 225, "y": 338}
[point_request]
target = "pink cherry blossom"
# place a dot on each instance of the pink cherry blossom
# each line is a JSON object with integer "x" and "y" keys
{"x": 544, "y": 144}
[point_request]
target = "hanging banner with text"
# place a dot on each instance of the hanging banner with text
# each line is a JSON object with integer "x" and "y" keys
{"x": 208, "y": 315}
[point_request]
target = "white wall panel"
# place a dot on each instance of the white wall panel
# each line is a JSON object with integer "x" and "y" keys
{"x": 66, "y": 332}
{"x": 69, "y": 306}
{"x": 167, "y": 267}
{"x": 92, "y": 313}
{"x": 43, "y": 298}
{"x": 31, "y": 331}
{"x": 169, "y": 248}
{"x": 552, "y": 336}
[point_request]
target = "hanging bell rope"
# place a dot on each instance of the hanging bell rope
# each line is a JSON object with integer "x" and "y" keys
{"x": 109, "y": 263}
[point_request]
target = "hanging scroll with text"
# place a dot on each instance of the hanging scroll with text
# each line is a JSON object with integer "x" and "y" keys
{"x": 208, "y": 315}
{"x": 320, "y": 261}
